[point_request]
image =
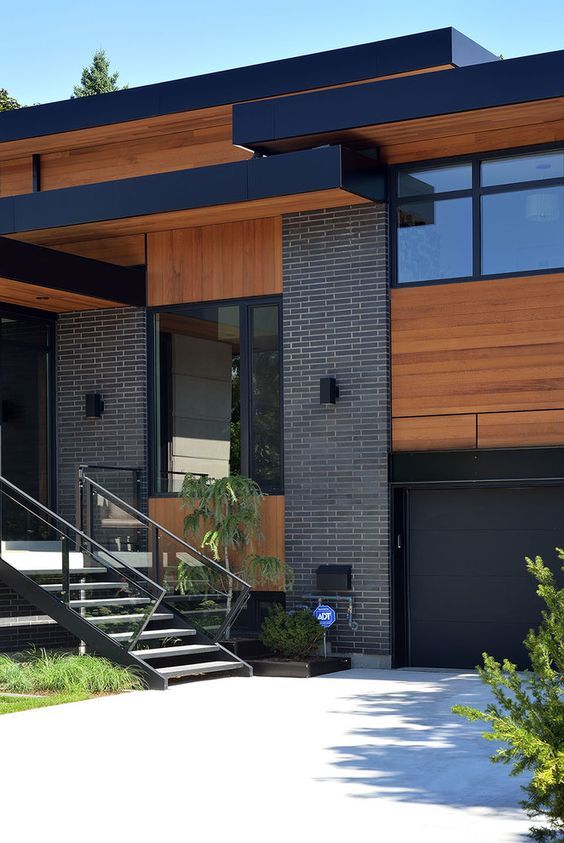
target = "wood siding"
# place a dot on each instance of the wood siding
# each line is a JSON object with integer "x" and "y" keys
{"x": 169, "y": 512}
{"x": 491, "y": 349}
{"x": 16, "y": 176}
{"x": 125, "y": 251}
{"x": 431, "y": 433}
{"x": 225, "y": 261}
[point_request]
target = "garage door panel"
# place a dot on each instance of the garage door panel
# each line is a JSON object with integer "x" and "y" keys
{"x": 503, "y": 599}
{"x": 455, "y": 644}
{"x": 469, "y": 589}
{"x": 496, "y": 509}
{"x": 435, "y": 552}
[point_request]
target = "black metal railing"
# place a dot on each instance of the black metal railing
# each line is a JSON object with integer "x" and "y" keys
{"x": 208, "y": 595}
{"x": 72, "y": 567}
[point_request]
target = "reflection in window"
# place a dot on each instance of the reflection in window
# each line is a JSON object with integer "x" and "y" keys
{"x": 218, "y": 394}
{"x": 522, "y": 230}
{"x": 522, "y": 168}
{"x": 434, "y": 180}
{"x": 435, "y": 239}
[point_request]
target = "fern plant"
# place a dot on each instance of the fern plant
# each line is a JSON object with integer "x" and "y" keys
{"x": 527, "y": 714}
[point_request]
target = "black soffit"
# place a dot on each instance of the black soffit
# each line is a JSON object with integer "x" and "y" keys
{"x": 30, "y": 264}
{"x": 311, "y": 170}
{"x": 351, "y": 64}
{"x": 509, "y": 82}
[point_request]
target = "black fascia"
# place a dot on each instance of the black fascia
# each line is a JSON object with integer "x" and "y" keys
{"x": 256, "y": 124}
{"x": 310, "y": 170}
{"x": 333, "y": 67}
{"x": 31, "y": 264}
{"x": 477, "y": 466}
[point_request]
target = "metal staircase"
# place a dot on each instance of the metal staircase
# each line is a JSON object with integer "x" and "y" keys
{"x": 106, "y": 598}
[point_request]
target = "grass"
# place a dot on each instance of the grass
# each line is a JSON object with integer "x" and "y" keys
{"x": 39, "y": 671}
{"x": 8, "y": 705}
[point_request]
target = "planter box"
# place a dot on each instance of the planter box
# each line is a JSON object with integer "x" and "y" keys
{"x": 315, "y": 666}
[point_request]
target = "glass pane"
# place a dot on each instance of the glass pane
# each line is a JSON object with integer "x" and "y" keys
{"x": 198, "y": 394}
{"x": 522, "y": 230}
{"x": 267, "y": 468}
{"x": 28, "y": 331}
{"x": 435, "y": 240}
{"x": 424, "y": 182}
{"x": 545, "y": 165}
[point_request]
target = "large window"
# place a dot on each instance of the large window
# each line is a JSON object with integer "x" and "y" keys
{"x": 218, "y": 393}
{"x": 478, "y": 218}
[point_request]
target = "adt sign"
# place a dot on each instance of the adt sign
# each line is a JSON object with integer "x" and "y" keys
{"x": 325, "y": 615}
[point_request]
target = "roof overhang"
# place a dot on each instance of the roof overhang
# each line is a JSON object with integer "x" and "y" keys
{"x": 353, "y": 115}
{"x": 53, "y": 280}
{"x": 408, "y": 54}
{"x": 323, "y": 177}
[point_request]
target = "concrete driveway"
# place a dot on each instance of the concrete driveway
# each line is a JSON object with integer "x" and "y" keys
{"x": 361, "y": 755}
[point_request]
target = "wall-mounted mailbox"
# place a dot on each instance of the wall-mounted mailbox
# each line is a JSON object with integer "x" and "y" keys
{"x": 334, "y": 578}
{"x": 94, "y": 405}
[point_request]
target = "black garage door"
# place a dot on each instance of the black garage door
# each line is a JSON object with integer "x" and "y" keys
{"x": 468, "y": 588}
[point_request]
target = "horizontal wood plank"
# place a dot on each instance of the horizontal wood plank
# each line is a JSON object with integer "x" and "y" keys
{"x": 506, "y": 430}
{"x": 478, "y": 346}
{"x": 124, "y": 251}
{"x": 45, "y": 298}
{"x": 16, "y": 176}
{"x": 230, "y": 260}
{"x": 434, "y": 433}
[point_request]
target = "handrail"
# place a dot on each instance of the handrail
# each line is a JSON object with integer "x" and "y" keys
{"x": 83, "y": 478}
{"x": 140, "y": 516}
{"x": 83, "y": 536}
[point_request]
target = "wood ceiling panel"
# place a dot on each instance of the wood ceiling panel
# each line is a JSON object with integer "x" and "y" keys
{"x": 45, "y": 298}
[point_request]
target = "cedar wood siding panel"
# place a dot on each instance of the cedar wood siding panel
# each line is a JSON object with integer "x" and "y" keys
{"x": 231, "y": 260}
{"x": 487, "y": 347}
{"x": 16, "y": 176}
{"x": 430, "y": 433}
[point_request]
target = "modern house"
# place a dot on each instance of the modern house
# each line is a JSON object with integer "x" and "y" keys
{"x": 341, "y": 275}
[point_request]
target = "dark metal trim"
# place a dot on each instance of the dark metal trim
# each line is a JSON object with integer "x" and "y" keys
{"x": 270, "y": 79}
{"x": 31, "y": 264}
{"x": 339, "y": 110}
{"x": 477, "y": 466}
{"x": 36, "y": 173}
{"x": 311, "y": 170}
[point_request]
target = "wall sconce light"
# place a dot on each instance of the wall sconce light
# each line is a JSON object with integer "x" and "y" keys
{"x": 328, "y": 390}
{"x": 94, "y": 405}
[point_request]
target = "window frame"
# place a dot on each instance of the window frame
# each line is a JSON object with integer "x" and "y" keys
{"x": 245, "y": 306}
{"x": 476, "y": 191}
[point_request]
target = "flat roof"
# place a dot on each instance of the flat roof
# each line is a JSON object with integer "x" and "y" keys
{"x": 406, "y": 54}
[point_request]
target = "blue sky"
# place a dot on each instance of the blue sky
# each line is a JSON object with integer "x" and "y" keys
{"x": 44, "y": 45}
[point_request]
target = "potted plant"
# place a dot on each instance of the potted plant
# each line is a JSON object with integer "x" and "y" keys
{"x": 295, "y": 639}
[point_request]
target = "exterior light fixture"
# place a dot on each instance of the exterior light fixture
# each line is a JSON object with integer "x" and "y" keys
{"x": 328, "y": 390}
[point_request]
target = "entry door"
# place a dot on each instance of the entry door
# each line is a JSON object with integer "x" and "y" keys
{"x": 468, "y": 587}
{"x": 25, "y": 429}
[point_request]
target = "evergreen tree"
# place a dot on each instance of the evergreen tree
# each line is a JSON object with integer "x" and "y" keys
{"x": 527, "y": 714}
{"x": 7, "y": 103}
{"x": 97, "y": 78}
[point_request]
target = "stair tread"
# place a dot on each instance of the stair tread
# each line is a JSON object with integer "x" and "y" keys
{"x": 195, "y": 669}
{"x": 123, "y": 618}
{"x": 85, "y": 586}
{"x": 156, "y": 633}
{"x": 110, "y": 601}
{"x": 176, "y": 650}
{"x": 49, "y": 572}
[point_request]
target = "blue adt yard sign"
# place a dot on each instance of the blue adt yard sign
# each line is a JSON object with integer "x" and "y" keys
{"x": 325, "y": 615}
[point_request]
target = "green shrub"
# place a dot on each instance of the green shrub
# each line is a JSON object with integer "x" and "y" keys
{"x": 294, "y": 636}
{"x": 528, "y": 712}
{"x": 39, "y": 670}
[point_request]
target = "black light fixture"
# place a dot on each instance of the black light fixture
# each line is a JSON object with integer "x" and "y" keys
{"x": 328, "y": 390}
{"x": 94, "y": 405}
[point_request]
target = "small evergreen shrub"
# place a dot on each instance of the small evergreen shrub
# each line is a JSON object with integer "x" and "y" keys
{"x": 295, "y": 636}
{"x": 527, "y": 714}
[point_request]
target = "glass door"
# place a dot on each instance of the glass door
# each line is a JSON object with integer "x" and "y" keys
{"x": 25, "y": 428}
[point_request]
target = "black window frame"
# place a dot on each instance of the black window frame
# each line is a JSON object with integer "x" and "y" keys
{"x": 476, "y": 191}
{"x": 245, "y": 327}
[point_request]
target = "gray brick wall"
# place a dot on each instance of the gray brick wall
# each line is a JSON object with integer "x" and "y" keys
{"x": 100, "y": 351}
{"x": 336, "y": 323}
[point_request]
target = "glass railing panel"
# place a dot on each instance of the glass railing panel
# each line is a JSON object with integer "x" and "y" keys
{"x": 118, "y": 530}
{"x": 102, "y": 588}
